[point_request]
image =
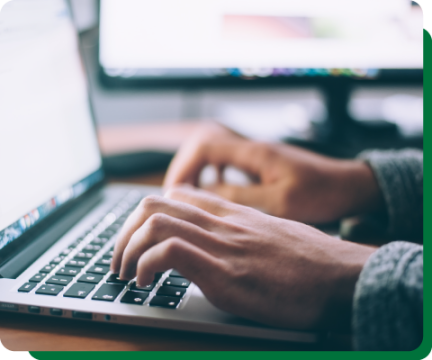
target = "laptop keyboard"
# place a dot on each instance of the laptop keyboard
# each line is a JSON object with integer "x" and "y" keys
{"x": 81, "y": 270}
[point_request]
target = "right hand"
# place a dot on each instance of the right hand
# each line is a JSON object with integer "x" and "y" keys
{"x": 292, "y": 183}
{"x": 274, "y": 271}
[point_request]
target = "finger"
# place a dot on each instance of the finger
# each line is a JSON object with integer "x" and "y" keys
{"x": 205, "y": 200}
{"x": 256, "y": 196}
{"x": 192, "y": 262}
{"x": 156, "y": 229}
{"x": 152, "y": 205}
{"x": 188, "y": 163}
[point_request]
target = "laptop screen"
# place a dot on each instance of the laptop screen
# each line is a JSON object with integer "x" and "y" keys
{"x": 49, "y": 153}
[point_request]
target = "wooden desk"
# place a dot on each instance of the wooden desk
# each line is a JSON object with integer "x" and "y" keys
{"x": 21, "y": 332}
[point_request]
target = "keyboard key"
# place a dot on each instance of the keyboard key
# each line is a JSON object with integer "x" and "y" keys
{"x": 57, "y": 260}
{"x": 114, "y": 279}
{"x": 79, "y": 290}
{"x": 114, "y": 228}
{"x": 103, "y": 261}
{"x": 27, "y": 287}
{"x": 46, "y": 269}
{"x": 37, "y": 278}
{"x": 134, "y": 297}
{"x": 108, "y": 292}
{"x": 92, "y": 248}
{"x": 175, "y": 273}
{"x": 59, "y": 280}
{"x": 171, "y": 291}
{"x": 180, "y": 282}
{"x": 84, "y": 255}
{"x": 135, "y": 287}
{"x": 98, "y": 269}
{"x": 109, "y": 254}
{"x": 49, "y": 290}
{"x": 70, "y": 271}
{"x": 66, "y": 252}
{"x": 107, "y": 234}
{"x": 165, "y": 301}
{"x": 90, "y": 278}
{"x": 77, "y": 263}
{"x": 99, "y": 241}
{"x": 157, "y": 276}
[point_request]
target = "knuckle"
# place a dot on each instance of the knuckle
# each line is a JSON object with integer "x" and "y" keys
{"x": 172, "y": 247}
{"x": 175, "y": 191}
{"x": 149, "y": 202}
{"x": 157, "y": 221}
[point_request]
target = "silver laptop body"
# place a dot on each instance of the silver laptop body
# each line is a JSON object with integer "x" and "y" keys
{"x": 55, "y": 247}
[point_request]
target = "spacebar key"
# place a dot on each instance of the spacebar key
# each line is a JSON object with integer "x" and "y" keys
{"x": 108, "y": 292}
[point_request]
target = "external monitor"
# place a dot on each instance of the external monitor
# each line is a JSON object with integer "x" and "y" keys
{"x": 262, "y": 40}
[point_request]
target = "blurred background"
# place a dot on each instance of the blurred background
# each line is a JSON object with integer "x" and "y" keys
{"x": 327, "y": 75}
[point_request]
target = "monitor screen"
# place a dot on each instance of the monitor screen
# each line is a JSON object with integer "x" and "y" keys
{"x": 48, "y": 150}
{"x": 262, "y": 38}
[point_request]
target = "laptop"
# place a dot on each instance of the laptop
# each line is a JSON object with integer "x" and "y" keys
{"x": 58, "y": 218}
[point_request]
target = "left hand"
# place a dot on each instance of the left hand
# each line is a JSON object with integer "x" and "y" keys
{"x": 263, "y": 268}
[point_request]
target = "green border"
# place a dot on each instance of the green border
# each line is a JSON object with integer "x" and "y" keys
{"x": 419, "y": 353}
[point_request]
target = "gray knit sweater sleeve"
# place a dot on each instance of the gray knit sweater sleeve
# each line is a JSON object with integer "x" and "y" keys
{"x": 388, "y": 299}
{"x": 400, "y": 177}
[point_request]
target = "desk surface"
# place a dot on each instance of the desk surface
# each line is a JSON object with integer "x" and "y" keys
{"x": 33, "y": 333}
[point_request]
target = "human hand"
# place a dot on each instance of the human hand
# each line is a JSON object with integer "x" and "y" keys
{"x": 274, "y": 271}
{"x": 292, "y": 183}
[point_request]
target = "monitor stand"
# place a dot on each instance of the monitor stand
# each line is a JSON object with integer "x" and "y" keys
{"x": 344, "y": 137}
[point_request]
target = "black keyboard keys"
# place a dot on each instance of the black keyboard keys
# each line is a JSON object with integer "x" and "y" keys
{"x": 105, "y": 262}
{"x": 134, "y": 297}
{"x": 46, "y": 269}
{"x": 49, "y": 290}
{"x": 84, "y": 255}
{"x": 57, "y": 260}
{"x": 108, "y": 254}
{"x": 90, "y": 278}
{"x": 79, "y": 290}
{"x": 69, "y": 271}
{"x": 37, "y": 278}
{"x": 99, "y": 241}
{"x": 175, "y": 273}
{"x": 92, "y": 248}
{"x": 135, "y": 287}
{"x": 114, "y": 279}
{"x": 59, "y": 280}
{"x": 180, "y": 282}
{"x": 165, "y": 301}
{"x": 78, "y": 263}
{"x": 27, "y": 287}
{"x": 98, "y": 269}
{"x": 108, "y": 292}
{"x": 171, "y": 291}
{"x": 66, "y": 252}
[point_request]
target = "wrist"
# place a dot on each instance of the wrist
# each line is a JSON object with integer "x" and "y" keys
{"x": 363, "y": 194}
{"x": 337, "y": 312}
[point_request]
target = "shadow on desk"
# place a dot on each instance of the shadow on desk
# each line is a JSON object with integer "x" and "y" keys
{"x": 19, "y": 332}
